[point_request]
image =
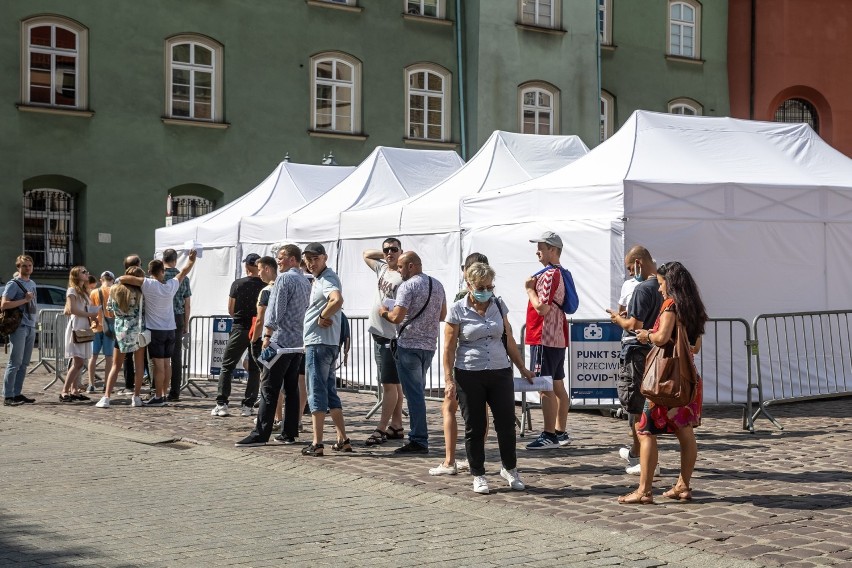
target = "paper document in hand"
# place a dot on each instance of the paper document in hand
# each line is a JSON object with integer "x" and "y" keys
{"x": 193, "y": 245}
{"x": 389, "y": 303}
{"x": 278, "y": 353}
{"x": 539, "y": 384}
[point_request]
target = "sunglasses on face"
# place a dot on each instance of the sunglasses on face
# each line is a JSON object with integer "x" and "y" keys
{"x": 84, "y": 271}
{"x": 484, "y": 288}
{"x": 388, "y": 250}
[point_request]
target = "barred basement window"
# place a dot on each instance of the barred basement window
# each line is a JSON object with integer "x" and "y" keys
{"x": 186, "y": 207}
{"x": 49, "y": 228}
{"x": 798, "y": 110}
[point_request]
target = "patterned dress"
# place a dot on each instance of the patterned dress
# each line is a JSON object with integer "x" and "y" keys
{"x": 127, "y": 324}
{"x": 657, "y": 419}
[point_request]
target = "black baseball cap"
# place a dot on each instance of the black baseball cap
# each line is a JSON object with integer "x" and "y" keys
{"x": 314, "y": 248}
{"x": 251, "y": 259}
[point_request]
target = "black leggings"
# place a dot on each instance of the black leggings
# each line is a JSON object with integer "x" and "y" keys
{"x": 495, "y": 388}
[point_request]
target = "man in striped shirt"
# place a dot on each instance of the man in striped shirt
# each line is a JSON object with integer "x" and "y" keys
{"x": 547, "y": 336}
{"x": 283, "y": 328}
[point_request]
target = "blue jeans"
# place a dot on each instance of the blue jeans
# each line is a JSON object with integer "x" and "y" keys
{"x": 19, "y": 359}
{"x": 412, "y": 365}
{"x": 319, "y": 375}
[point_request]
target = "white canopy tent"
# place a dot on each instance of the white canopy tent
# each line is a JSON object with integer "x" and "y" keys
{"x": 760, "y": 213}
{"x": 429, "y": 222}
{"x": 287, "y": 188}
{"x": 387, "y": 175}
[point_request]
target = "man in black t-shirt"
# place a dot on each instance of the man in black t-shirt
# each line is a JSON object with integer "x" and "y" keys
{"x": 642, "y": 312}
{"x": 242, "y": 306}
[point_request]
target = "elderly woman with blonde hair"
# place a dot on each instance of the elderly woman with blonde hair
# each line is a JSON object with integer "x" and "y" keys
{"x": 478, "y": 347}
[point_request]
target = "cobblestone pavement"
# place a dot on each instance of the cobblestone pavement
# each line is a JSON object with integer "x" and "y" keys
{"x": 776, "y": 497}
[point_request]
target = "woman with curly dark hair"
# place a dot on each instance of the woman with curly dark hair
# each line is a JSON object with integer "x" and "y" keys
{"x": 682, "y": 301}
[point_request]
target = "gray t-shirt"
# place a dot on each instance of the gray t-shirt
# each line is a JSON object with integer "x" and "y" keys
{"x": 324, "y": 285}
{"x": 412, "y": 294}
{"x": 389, "y": 281}
{"x": 644, "y": 306}
{"x": 13, "y": 292}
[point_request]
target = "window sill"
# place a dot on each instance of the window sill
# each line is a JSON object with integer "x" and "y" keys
{"x": 539, "y": 29}
{"x": 199, "y": 123}
{"x": 432, "y": 143}
{"x": 427, "y": 19}
{"x": 56, "y": 110}
{"x": 338, "y": 135}
{"x": 334, "y": 6}
{"x": 608, "y": 47}
{"x": 681, "y": 59}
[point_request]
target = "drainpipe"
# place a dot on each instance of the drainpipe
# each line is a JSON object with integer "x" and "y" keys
{"x": 598, "y": 42}
{"x": 751, "y": 64}
{"x": 462, "y": 118}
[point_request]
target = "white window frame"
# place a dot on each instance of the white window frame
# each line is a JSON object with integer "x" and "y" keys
{"x": 440, "y": 8}
{"x": 444, "y": 95}
{"x": 215, "y": 68}
{"x": 555, "y": 103}
{"x": 605, "y": 22}
{"x": 695, "y": 25}
{"x": 684, "y": 103}
{"x": 337, "y": 57}
{"x": 54, "y": 257}
{"x": 555, "y": 14}
{"x": 607, "y": 114}
{"x": 80, "y": 53}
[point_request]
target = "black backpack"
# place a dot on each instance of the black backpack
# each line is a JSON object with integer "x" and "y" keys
{"x": 10, "y": 320}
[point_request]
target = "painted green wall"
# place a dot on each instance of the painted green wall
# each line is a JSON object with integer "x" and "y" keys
{"x": 638, "y": 74}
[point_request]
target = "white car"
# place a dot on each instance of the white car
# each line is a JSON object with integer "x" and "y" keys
{"x": 49, "y": 297}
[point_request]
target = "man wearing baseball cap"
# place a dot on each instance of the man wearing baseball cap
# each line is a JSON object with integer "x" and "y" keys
{"x": 547, "y": 336}
{"x": 242, "y": 306}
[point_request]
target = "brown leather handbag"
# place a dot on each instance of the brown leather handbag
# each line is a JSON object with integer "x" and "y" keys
{"x": 83, "y": 335}
{"x": 670, "y": 378}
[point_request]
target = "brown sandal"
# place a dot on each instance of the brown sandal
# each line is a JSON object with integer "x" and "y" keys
{"x": 637, "y": 498}
{"x": 395, "y": 433}
{"x": 679, "y": 493}
{"x": 376, "y": 438}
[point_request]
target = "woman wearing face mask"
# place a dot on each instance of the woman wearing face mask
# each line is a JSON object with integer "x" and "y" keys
{"x": 477, "y": 368}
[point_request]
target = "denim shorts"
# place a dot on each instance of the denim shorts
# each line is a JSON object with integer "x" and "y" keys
{"x": 320, "y": 379}
{"x": 104, "y": 344}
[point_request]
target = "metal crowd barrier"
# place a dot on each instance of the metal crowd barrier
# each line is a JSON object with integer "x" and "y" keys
{"x": 801, "y": 356}
{"x": 50, "y": 334}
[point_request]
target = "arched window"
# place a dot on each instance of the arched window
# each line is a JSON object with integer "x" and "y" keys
{"x": 798, "y": 110}
{"x": 540, "y": 13}
{"x": 685, "y": 29}
{"x": 49, "y": 228}
{"x": 427, "y": 88}
{"x": 55, "y": 62}
{"x": 686, "y": 106}
{"x": 186, "y": 207}
{"x": 335, "y": 93}
{"x": 607, "y": 114}
{"x": 428, "y": 8}
{"x": 194, "y": 78}
{"x": 539, "y": 108}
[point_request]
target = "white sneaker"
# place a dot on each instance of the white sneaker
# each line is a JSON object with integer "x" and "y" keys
{"x": 637, "y": 470}
{"x": 444, "y": 469}
{"x": 511, "y": 475}
{"x": 624, "y": 453}
{"x": 245, "y": 410}
{"x": 480, "y": 485}
{"x": 136, "y": 401}
{"x": 220, "y": 410}
{"x": 462, "y": 465}
{"x": 103, "y": 402}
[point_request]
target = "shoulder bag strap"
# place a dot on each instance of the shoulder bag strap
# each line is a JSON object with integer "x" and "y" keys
{"x": 25, "y": 291}
{"x": 428, "y": 299}
{"x": 141, "y": 303}
{"x": 103, "y": 304}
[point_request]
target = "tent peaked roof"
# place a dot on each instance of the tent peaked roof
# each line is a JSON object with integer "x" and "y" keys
{"x": 288, "y": 186}
{"x": 385, "y": 176}
{"x": 506, "y": 158}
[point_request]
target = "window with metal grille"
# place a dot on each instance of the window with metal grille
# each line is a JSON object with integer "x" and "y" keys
{"x": 798, "y": 110}
{"x": 49, "y": 228}
{"x": 186, "y": 207}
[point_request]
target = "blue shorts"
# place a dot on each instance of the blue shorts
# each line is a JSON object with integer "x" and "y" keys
{"x": 547, "y": 361}
{"x": 104, "y": 344}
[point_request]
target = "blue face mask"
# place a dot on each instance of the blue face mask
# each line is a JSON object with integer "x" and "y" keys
{"x": 637, "y": 273}
{"x": 482, "y": 296}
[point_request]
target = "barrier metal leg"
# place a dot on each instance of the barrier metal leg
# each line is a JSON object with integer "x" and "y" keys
{"x": 193, "y": 384}
{"x": 762, "y": 410}
{"x": 380, "y": 396}
{"x": 50, "y": 368}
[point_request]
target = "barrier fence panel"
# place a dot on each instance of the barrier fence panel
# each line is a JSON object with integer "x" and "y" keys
{"x": 199, "y": 349}
{"x": 802, "y": 355}
{"x": 50, "y": 330}
{"x": 360, "y": 373}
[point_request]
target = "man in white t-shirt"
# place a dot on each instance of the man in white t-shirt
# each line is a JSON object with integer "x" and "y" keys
{"x": 158, "y": 296}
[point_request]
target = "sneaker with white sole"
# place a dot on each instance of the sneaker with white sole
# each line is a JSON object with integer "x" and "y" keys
{"x": 463, "y": 465}
{"x": 136, "y": 401}
{"x": 444, "y": 469}
{"x": 246, "y": 410}
{"x": 103, "y": 402}
{"x": 514, "y": 479}
{"x": 155, "y": 401}
{"x": 564, "y": 439}
{"x": 624, "y": 453}
{"x": 637, "y": 470}
{"x": 220, "y": 410}
{"x": 480, "y": 485}
{"x": 544, "y": 441}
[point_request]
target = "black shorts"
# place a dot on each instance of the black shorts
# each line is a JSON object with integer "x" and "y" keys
{"x": 162, "y": 344}
{"x": 630, "y": 371}
{"x": 385, "y": 361}
{"x": 548, "y": 361}
{"x": 302, "y": 365}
